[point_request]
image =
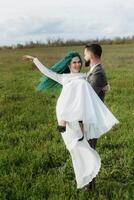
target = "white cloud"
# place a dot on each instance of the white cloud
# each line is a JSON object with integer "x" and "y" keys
{"x": 27, "y": 20}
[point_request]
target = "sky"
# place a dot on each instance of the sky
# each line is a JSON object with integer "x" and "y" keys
{"x": 23, "y": 21}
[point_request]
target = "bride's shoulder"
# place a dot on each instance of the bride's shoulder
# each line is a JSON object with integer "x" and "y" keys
{"x": 83, "y": 74}
{"x": 74, "y": 74}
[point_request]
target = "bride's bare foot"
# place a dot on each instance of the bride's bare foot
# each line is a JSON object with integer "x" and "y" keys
{"x": 62, "y": 123}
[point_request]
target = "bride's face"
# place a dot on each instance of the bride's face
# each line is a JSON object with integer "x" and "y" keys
{"x": 75, "y": 65}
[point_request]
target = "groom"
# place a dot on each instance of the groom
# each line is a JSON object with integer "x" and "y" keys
{"x": 97, "y": 79}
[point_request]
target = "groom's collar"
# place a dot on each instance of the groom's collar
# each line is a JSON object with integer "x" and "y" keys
{"x": 92, "y": 68}
{"x": 96, "y": 67}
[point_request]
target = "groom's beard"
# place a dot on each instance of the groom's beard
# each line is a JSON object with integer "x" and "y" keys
{"x": 87, "y": 63}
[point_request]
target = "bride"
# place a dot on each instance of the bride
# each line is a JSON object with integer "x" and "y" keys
{"x": 81, "y": 115}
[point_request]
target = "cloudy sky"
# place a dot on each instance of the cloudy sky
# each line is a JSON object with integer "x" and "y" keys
{"x": 39, "y": 20}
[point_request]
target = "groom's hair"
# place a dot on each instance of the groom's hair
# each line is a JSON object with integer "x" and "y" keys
{"x": 95, "y": 49}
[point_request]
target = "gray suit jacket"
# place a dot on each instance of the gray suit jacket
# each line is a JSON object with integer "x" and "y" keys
{"x": 97, "y": 79}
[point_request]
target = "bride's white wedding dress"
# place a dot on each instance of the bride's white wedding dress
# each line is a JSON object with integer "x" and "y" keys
{"x": 79, "y": 102}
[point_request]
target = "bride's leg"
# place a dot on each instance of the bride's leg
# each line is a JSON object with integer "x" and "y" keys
{"x": 62, "y": 128}
{"x": 81, "y": 126}
{"x": 82, "y": 129}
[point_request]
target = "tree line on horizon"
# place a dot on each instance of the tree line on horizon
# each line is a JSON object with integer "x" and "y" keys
{"x": 71, "y": 42}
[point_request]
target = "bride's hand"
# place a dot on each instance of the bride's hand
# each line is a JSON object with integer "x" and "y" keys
{"x": 106, "y": 88}
{"x": 28, "y": 58}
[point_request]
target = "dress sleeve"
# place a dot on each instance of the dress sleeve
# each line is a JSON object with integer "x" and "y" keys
{"x": 47, "y": 72}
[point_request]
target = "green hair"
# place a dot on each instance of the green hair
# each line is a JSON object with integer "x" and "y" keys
{"x": 60, "y": 67}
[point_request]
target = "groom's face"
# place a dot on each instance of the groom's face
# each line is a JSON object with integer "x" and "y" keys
{"x": 87, "y": 57}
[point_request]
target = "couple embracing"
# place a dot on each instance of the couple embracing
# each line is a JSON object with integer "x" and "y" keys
{"x": 81, "y": 113}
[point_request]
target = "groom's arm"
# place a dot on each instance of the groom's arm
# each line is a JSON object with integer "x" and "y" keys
{"x": 98, "y": 81}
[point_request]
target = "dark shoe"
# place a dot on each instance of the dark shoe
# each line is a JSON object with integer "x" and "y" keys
{"x": 80, "y": 139}
{"x": 61, "y": 128}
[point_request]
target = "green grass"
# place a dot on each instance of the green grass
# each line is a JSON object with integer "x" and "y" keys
{"x": 34, "y": 162}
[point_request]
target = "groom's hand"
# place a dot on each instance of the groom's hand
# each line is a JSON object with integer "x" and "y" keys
{"x": 106, "y": 88}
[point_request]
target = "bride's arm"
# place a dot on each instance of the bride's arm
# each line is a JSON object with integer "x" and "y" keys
{"x": 49, "y": 73}
{"x": 53, "y": 75}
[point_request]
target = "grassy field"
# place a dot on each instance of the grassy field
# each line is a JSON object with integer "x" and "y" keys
{"x": 34, "y": 162}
